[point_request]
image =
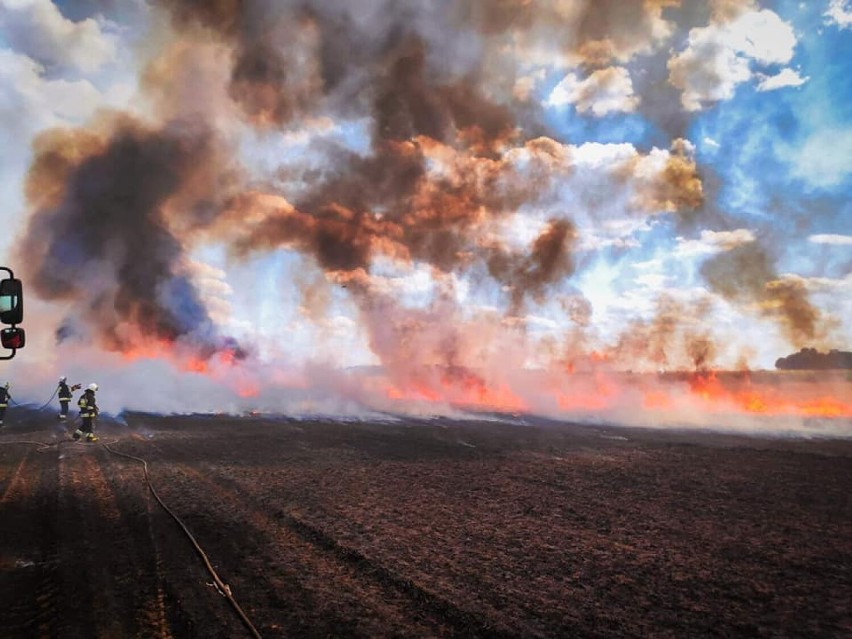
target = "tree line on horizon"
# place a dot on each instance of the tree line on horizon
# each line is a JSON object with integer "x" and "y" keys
{"x": 812, "y": 359}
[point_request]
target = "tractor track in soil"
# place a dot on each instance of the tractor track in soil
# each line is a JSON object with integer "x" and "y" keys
{"x": 450, "y": 530}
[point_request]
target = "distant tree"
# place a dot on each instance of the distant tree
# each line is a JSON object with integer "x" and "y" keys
{"x": 811, "y": 359}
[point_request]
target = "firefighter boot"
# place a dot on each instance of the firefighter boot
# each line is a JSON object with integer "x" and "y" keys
{"x": 91, "y": 437}
{"x": 77, "y": 434}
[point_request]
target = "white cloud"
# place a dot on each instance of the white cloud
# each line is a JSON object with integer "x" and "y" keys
{"x": 38, "y": 29}
{"x": 616, "y": 233}
{"x": 595, "y": 155}
{"x": 45, "y": 101}
{"x": 711, "y": 242}
{"x": 839, "y": 13}
{"x": 719, "y": 57}
{"x": 604, "y": 91}
{"x": 786, "y": 78}
{"x": 839, "y": 240}
{"x": 30, "y": 102}
{"x": 762, "y": 36}
{"x": 592, "y": 242}
{"x": 654, "y": 280}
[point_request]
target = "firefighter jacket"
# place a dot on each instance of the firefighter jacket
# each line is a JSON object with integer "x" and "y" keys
{"x": 64, "y": 392}
{"x": 4, "y": 397}
{"x": 88, "y": 407}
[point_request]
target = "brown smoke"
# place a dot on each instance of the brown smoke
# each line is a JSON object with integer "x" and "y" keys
{"x": 669, "y": 340}
{"x": 746, "y": 274}
{"x": 116, "y": 205}
{"x": 595, "y": 31}
{"x": 549, "y": 261}
{"x": 680, "y": 187}
{"x": 613, "y": 29}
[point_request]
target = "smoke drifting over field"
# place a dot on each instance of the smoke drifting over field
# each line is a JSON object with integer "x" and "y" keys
{"x": 401, "y": 157}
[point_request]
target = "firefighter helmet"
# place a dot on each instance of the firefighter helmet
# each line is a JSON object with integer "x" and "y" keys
{"x": 92, "y": 387}
{"x": 62, "y": 378}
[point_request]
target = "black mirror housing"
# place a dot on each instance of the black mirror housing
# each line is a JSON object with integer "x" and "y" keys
{"x": 13, "y": 338}
{"x": 11, "y": 301}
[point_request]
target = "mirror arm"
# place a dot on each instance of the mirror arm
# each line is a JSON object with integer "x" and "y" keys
{"x": 14, "y": 350}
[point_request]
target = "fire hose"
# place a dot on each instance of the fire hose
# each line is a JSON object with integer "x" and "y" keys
{"x": 45, "y": 405}
{"x": 221, "y": 586}
{"x": 50, "y": 399}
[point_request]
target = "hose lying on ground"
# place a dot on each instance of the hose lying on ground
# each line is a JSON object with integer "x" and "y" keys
{"x": 221, "y": 585}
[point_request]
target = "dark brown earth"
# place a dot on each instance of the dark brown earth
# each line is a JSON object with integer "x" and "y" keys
{"x": 421, "y": 529}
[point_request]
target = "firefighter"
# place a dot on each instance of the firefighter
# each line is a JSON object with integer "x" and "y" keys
{"x": 88, "y": 411}
{"x": 5, "y": 396}
{"x": 65, "y": 396}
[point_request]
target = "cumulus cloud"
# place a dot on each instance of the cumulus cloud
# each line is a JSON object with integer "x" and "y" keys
{"x": 604, "y": 91}
{"x": 711, "y": 242}
{"x": 38, "y": 29}
{"x": 785, "y": 78}
{"x": 719, "y": 57}
{"x": 25, "y": 89}
{"x": 839, "y": 14}
{"x": 30, "y": 101}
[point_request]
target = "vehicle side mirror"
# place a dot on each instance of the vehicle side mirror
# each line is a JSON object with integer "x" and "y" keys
{"x": 13, "y": 338}
{"x": 11, "y": 301}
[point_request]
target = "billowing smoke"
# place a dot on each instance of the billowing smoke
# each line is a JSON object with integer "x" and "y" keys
{"x": 746, "y": 274}
{"x": 441, "y": 167}
{"x": 99, "y": 233}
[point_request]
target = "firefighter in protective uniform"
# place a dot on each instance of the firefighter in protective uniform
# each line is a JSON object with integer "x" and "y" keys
{"x": 5, "y": 396}
{"x": 65, "y": 396}
{"x": 88, "y": 411}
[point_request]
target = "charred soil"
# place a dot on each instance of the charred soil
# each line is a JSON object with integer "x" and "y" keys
{"x": 417, "y": 528}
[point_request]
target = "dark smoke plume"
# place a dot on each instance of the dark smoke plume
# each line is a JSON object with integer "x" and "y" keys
{"x": 99, "y": 234}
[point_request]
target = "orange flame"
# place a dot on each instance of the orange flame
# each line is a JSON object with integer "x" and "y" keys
{"x": 747, "y": 397}
{"x": 246, "y": 388}
{"x": 165, "y": 350}
{"x": 460, "y": 388}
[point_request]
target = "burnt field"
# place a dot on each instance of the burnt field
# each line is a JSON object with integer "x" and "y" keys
{"x": 421, "y": 529}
